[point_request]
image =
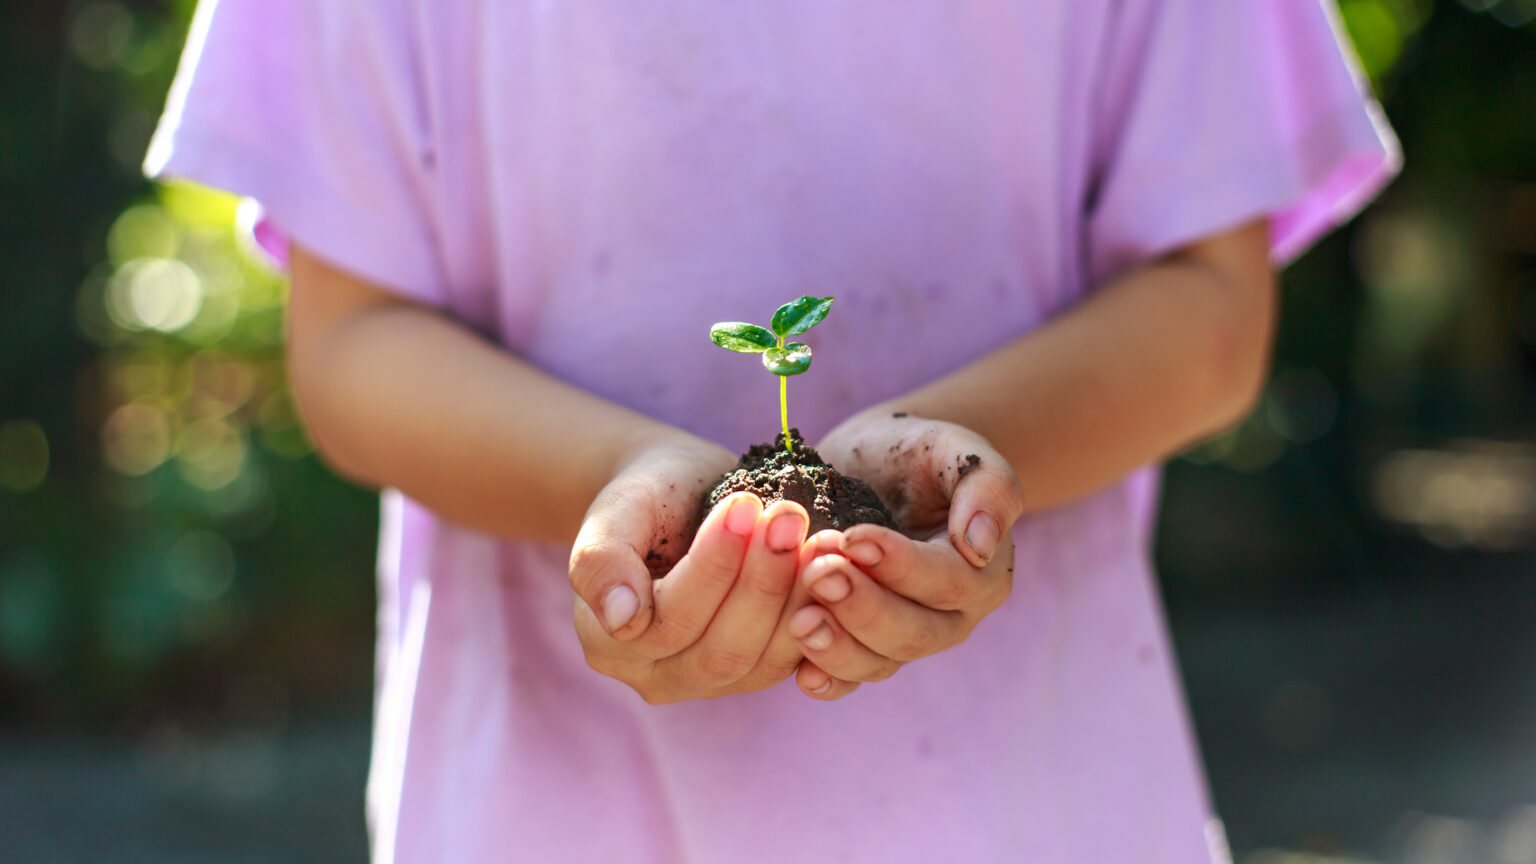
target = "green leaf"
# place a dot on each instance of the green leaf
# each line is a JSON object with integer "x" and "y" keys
{"x": 741, "y": 337}
{"x": 798, "y": 316}
{"x": 792, "y": 359}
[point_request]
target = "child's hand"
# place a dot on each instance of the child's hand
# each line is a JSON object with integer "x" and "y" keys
{"x": 887, "y": 598}
{"x": 706, "y": 628}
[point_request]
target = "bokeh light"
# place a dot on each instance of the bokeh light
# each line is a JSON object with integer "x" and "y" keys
{"x": 136, "y": 439}
{"x": 154, "y": 294}
{"x": 23, "y": 455}
{"x": 1471, "y": 493}
{"x": 1301, "y": 404}
{"x": 101, "y": 32}
{"x": 1510, "y": 13}
{"x": 210, "y": 452}
{"x": 143, "y": 231}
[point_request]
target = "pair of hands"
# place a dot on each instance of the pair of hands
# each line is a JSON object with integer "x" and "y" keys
{"x": 753, "y": 600}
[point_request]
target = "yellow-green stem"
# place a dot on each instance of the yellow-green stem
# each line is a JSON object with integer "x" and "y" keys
{"x": 784, "y": 409}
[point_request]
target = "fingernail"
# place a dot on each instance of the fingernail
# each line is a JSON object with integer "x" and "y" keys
{"x": 825, "y": 686}
{"x": 804, "y": 621}
{"x": 864, "y": 553}
{"x": 982, "y": 535}
{"x": 784, "y": 532}
{"x": 831, "y": 588}
{"x": 619, "y": 607}
{"x": 819, "y": 639}
{"x": 741, "y": 518}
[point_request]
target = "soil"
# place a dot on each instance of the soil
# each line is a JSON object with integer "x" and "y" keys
{"x": 832, "y": 499}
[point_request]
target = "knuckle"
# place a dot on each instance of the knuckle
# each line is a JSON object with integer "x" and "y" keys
{"x": 1015, "y": 489}
{"x": 587, "y": 564}
{"x": 717, "y": 566}
{"x": 751, "y": 683}
{"x": 949, "y": 593}
{"x": 928, "y": 638}
{"x": 617, "y": 667}
{"x": 883, "y": 672}
{"x": 773, "y": 673}
{"x": 767, "y": 586}
{"x": 604, "y": 657}
{"x": 588, "y": 556}
{"x": 725, "y": 666}
{"x": 998, "y": 487}
{"x": 773, "y": 667}
{"x": 668, "y": 636}
{"x": 1008, "y": 493}
{"x": 918, "y": 646}
{"x": 858, "y": 616}
{"x": 900, "y": 568}
{"x": 656, "y": 689}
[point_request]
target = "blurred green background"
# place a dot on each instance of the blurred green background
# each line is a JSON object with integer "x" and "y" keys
{"x": 186, "y": 599}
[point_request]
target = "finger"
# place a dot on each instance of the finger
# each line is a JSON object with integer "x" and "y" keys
{"x": 885, "y": 622}
{"x": 817, "y": 684}
{"x": 829, "y": 646}
{"x": 608, "y": 571}
{"x": 603, "y": 653}
{"x": 687, "y": 598}
{"x": 740, "y": 631}
{"x": 986, "y": 501}
{"x": 931, "y": 573}
{"x": 783, "y": 654}
{"x": 827, "y": 542}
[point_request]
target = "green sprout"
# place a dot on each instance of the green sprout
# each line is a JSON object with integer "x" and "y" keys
{"x": 783, "y": 360}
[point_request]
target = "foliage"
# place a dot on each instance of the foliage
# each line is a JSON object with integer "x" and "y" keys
{"x": 783, "y": 360}
{"x": 158, "y": 501}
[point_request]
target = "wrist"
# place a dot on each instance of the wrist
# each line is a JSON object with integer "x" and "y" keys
{"x": 652, "y": 437}
{"x": 865, "y": 417}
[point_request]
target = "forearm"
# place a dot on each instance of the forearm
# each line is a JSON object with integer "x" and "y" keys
{"x": 1158, "y": 358}
{"x": 396, "y": 395}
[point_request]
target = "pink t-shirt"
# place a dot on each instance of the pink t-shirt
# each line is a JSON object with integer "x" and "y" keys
{"x": 584, "y": 181}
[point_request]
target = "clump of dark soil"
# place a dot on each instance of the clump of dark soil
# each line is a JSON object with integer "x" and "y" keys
{"x": 832, "y": 499}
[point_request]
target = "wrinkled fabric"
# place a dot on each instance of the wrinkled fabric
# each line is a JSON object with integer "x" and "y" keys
{"x": 592, "y": 183}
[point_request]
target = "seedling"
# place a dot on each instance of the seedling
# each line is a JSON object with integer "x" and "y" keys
{"x": 781, "y": 359}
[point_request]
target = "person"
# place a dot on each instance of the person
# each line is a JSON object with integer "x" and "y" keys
{"x": 1050, "y": 227}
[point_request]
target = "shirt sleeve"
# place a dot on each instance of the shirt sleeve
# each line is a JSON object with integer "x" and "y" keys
{"x": 1212, "y": 113}
{"x": 312, "y": 108}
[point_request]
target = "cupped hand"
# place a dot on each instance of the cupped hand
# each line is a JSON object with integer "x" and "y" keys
{"x": 706, "y": 628}
{"x": 884, "y": 597}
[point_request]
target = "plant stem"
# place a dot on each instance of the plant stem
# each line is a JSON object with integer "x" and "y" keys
{"x": 784, "y": 409}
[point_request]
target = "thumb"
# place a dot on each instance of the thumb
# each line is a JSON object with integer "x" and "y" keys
{"x": 986, "y": 502}
{"x": 607, "y": 568}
